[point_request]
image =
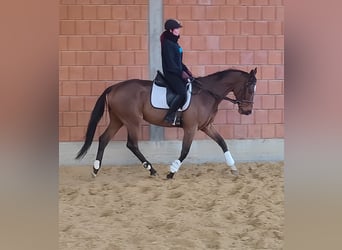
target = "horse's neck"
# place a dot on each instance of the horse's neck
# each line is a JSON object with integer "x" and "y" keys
{"x": 218, "y": 86}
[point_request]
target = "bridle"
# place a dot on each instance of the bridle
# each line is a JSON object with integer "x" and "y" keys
{"x": 219, "y": 97}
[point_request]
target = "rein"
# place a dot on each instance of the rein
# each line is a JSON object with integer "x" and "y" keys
{"x": 216, "y": 96}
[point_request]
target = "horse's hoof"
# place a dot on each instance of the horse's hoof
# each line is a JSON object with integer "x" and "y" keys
{"x": 234, "y": 172}
{"x": 170, "y": 175}
{"x": 93, "y": 174}
{"x": 153, "y": 172}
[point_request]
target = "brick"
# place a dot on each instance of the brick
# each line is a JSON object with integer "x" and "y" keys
{"x": 233, "y": 28}
{"x": 279, "y": 72}
{"x": 76, "y": 103}
{"x": 240, "y": 131}
{"x": 77, "y": 133}
{"x": 268, "y": 72}
{"x": 261, "y": 116}
{"x": 63, "y": 12}
{"x": 261, "y": 2}
{"x": 260, "y": 57}
{"x": 254, "y": 131}
{"x": 112, "y": 58}
{"x": 213, "y": 12}
{"x": 83, "y": 58}
{"x": 198, "y": 12}
{"x": 144, "y": 42}
{"x": 83, "y": 88}
{"x": 218, "y": 57}
{"x": 247, "y": 119}
{"x": 275, "y": 57}
{"x": 268, "y": 12}
{"x": 120, "y": 73}
{"x": 205, "y": 28}
{"x": 63, "y": 43}
{"x": 247, "y": 57}
{"x": 233, "y": 57}
{"x": 75, "y": 72}
{"x": 89, "y": 12}
{"x": 69, "y": 119}
{"x": 279, "y": 40}
{"x": 74, "y": 12}
{"x": 247, "y": 28}
{"x": 89, "y": 43}
{"x": 89, "y": 102}
{"x": 145, "y": 132}
{"x": 240, "y": 12}
{"x": 226, "y": 12}
{"x": 257, "y": 102}
{"x": 233, "y": 117}
{"x": 204, "y": 57}
{"x": 67, "y": 27}
{"x": 64, "y": 104}
{"x": 90, "y": 73}
{"x": 133, "y": 12}
{"x": 198, "y": 43}
{"x": 261, "y": 27}
{"x": 68, "y": 58}
{"x": 213, "y": 42}
{"x": 97, "y": 27}
{"x": 126, "y": 27}
{"x": 268, "y": 102}
{"x": 83, "y": 118}
{"x": 254, "y": 12}
{"x": 111, "y": 27}
{"x": 105, "y": 73}
{"x": 275, "y": 87}
{"x": 190, "y": 28}
{"x": 104, "y": 12}
{"x": 240, "y": 42}
{"x": 275, "y": 28}
{"x": 268, "y": 131}
{"x": 140, "y": 27}
{"x": 219, "y": 28}
{"x": 276, "y": 2}
{"x": 220, "y": 117}
{"x": 226, "y": 42}
{"x": 119, "y": 43}
{"x": 82, "y": 27}
{"x": 141, "y": 57}
{"x": 64, "y": 134}
{"x": 97, "y": 87}
{"x": 134, "y": 72}
{"x": 279, "y": 133}
{"x": 104, "y": 43}
{"x": 275, "y": 116}
{"x": 254, "y": 43}
{"x": 246, "y": 2}
{"x": 280, "y": 13}
{"x": 133, "y": 42}
{"x": 119, "y": 12}
{"x": 98, "y": 57}
{"x": 75, "y": 43}
{"x": 127, "y": 58}
{"x": 69, "y": 88}
{"x": 183, "y": 12}
{"x": 268, "y": 42}
{"x": 204, "y": 2}
{"x": 262, "y": 87}
{"x": 226, "y": 131}
{"x": 170, "y": 11}
{"x": 280, "y": 101}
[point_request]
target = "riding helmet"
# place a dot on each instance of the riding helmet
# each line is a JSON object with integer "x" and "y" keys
{"x": 171, "y": 24}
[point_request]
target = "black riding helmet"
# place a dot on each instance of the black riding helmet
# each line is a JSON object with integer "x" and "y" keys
{"x": 171, "y": 24}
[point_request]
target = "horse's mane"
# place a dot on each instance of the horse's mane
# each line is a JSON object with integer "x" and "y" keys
{"x": 222, "y": 74}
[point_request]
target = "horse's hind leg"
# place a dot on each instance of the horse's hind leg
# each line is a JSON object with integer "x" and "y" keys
{"x": 213, "y": 134}
{"x": 104, "y": 139}
{"x": 132, "y": 144}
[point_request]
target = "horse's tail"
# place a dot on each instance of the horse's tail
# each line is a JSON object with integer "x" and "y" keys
{"x": 95, "y": 117}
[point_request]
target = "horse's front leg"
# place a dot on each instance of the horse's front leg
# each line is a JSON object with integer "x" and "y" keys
{"x": 213, "y": 134}
{"x": 187, "y": 140}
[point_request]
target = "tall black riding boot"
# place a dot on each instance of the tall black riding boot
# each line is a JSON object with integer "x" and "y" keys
{"x": 170, "y": 116}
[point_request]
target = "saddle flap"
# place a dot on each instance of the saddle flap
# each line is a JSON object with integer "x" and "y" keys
{"x": 160, "y": 80}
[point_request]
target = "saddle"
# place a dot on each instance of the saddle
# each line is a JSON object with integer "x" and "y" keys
{"x": 162, "y": 95}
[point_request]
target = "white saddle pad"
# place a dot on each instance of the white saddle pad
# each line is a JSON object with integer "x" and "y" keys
{"x": 158, "y": 97}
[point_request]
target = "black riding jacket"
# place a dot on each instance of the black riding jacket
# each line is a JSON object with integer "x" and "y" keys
{"x": 172, "y": 55}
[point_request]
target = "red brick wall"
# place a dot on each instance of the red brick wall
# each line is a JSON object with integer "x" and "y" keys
{"x": 105, "y": 41}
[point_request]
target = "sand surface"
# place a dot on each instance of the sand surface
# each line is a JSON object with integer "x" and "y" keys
{"x": 203, "y": 207}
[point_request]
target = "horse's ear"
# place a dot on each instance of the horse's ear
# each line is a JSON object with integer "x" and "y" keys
{"x": 253, "y": 72}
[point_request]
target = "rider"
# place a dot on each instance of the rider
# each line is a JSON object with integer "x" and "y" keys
{"x": 176, "y": 73}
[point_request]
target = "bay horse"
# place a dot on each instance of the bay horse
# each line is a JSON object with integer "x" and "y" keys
{"x": 129, "y": 103}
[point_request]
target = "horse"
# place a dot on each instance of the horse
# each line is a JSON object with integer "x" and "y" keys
{"x": 128, "y": 103}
